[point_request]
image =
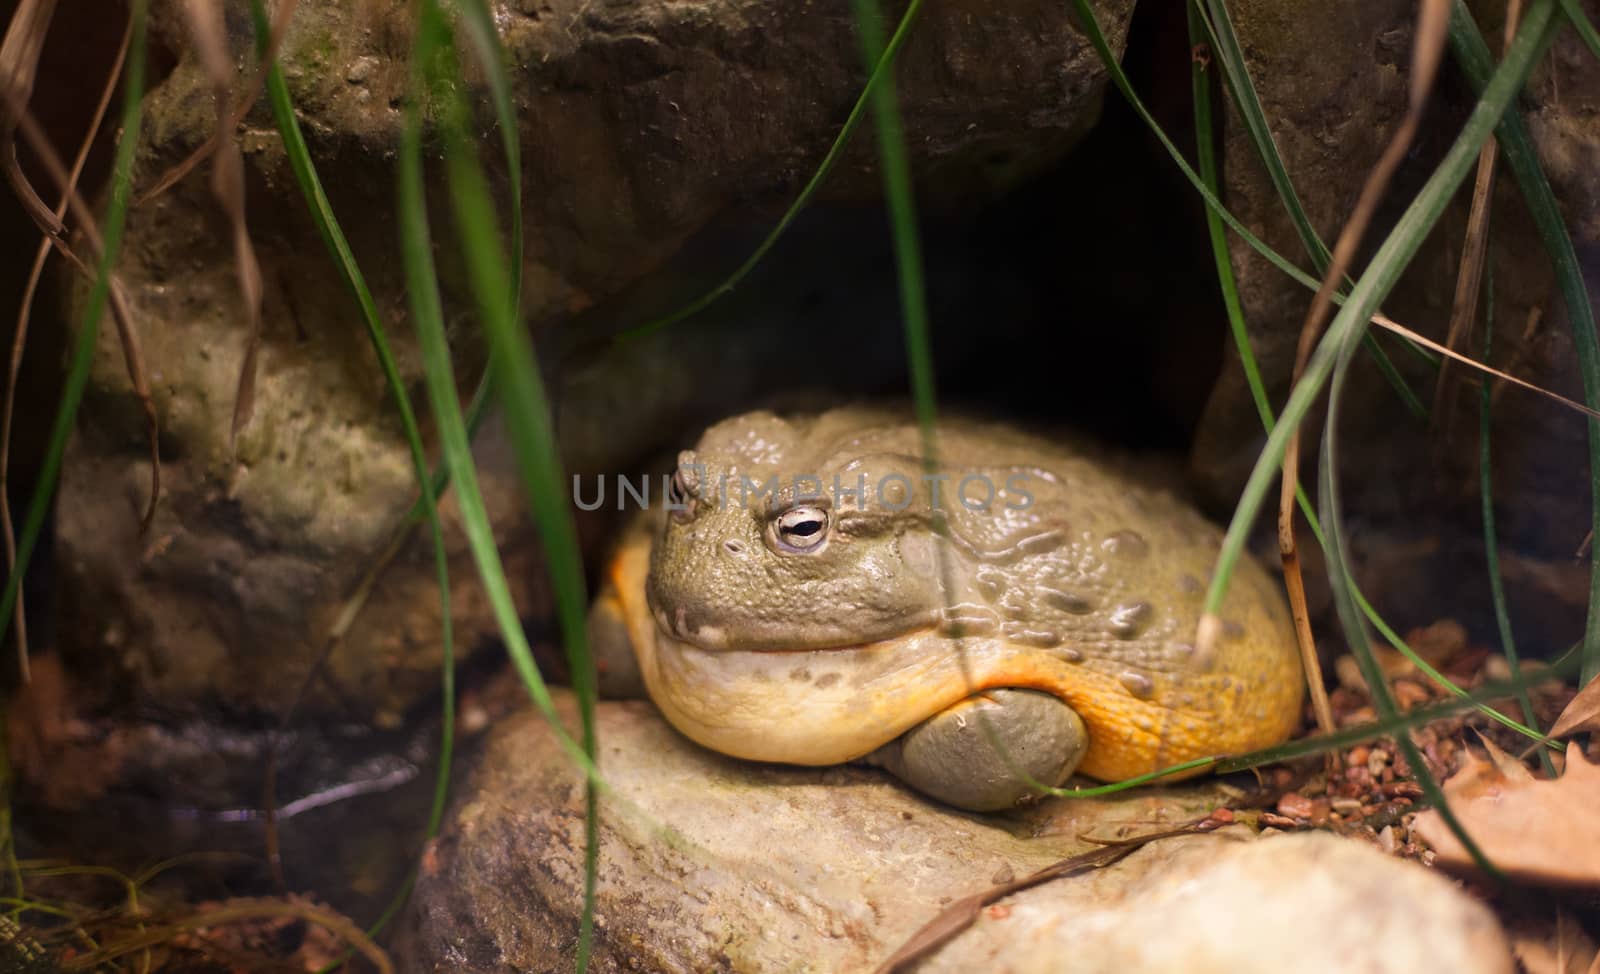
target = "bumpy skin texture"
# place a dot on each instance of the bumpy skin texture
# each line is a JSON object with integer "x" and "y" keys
{"x": 1075, "y": 581}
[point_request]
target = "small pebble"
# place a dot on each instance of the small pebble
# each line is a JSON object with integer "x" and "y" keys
{"x": 1360, "y": 715}
{"x": 1295, "y": 805}
{"x": 1361, "y": 778}
{"x": 1349, "y": 673}
{"x": 1497, "y": 668}
{"x": 474, "y": 718}
{"x": 1408, "y": 694}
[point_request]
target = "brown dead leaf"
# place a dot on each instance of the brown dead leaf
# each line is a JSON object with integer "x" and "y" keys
{"x": 1505, "y": 765}
{"x": 1427, "y": 49}
{"x": 121, "y": 314}
{"x": 1389, "y": 324}
{"x": 19, "y": 66}
{"x": 1535, "y": 830}
{"x": 170, "y": 178}
{"x": 20, "y": 339}
{"x": 227, "y": 185}
{"x": 1582, "y": 714}
{"x": 1469, "y": 275}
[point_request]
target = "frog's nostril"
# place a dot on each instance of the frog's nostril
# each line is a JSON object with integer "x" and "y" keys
{"x": 734, "y": 547}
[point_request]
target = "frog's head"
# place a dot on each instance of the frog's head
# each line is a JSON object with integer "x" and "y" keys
{"x": 770, "y": 542}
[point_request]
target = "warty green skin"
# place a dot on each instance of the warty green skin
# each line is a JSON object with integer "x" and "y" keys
{"x": 1075, "y": 582}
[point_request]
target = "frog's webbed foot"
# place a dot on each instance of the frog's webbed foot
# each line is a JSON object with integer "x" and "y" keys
{"x": 950, "y": 757}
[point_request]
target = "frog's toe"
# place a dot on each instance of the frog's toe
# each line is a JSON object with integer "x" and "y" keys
{"x": 950, "y": 756}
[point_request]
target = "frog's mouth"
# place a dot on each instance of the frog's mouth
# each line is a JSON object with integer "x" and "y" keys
{"x": 828, "y": 706}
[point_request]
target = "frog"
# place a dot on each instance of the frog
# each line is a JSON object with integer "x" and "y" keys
{"x": 980, "y": 610}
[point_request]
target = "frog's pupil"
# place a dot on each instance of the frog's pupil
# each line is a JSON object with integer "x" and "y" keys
{"x": 802, "y": 528}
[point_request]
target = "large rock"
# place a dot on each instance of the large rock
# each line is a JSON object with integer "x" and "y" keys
{"x": 1333, "y": 84}
{"x": 640, "y": 122}
{"x": 711, "y": 864}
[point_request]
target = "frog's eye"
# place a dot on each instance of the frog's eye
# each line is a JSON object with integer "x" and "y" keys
{"x": 801, "y": 528}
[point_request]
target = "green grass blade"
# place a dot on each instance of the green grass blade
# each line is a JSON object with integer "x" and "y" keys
{"x": 880, "y": 71}
{"x": 333, "y": 237}
{"x": 1097, "y": 39}
{"x": 486, "y": 45}
{"x": 1354, "y": 626}
{"x": 1386, "y": 367}
{"x": 1491, "y": 547}
{"x": 1562, "y": 669}
{"x": 1380, "y": 276}
{"x": 1582, "y": 24}
{"x": 427, "y": 312}
{"x": 1227, "y": 283}
{"x": 527, "y": 412}
{"x": 435, "y": 73}
{"x": 1236, "y": 74}
{"x": 1342, "y": 339}
{"x": 901, "y": 201}
{"x": 900, "y": 197}
{"x": 1206, "y": 158}
{"x": 1516, "y": 145}
{"x": 83, "y": 347}
{"x": 1428, "y": 669}
{"x": 425, "y": 508}
{"x": 1224, "y": 41}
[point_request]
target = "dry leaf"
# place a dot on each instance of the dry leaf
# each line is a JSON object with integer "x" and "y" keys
{"x": 1582, "y": 714}
{"x": 1534, "y": 830}
{"x": 1506, "y": 766}
{"x": 19, "y": 66}
{"x": 227, "y": 185}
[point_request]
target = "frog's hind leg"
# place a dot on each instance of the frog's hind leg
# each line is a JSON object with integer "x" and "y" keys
{"x": 950, "y": 755}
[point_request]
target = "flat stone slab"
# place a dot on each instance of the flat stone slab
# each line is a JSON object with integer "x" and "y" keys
{"x": 713, "y": 864}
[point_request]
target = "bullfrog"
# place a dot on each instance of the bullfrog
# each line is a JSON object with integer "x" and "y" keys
{"x": 812, "y": 593}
